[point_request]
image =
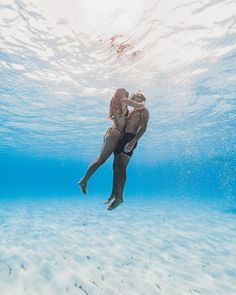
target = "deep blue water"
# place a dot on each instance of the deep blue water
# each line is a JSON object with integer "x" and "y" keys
{"x": 31, "y": 177}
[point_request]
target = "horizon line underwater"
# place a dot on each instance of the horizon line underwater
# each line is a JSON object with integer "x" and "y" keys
{"x": 142, "y": 203}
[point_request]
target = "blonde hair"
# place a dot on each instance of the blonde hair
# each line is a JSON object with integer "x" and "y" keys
{"x": 115, "y": 103}
{"x": 139, "y": 95}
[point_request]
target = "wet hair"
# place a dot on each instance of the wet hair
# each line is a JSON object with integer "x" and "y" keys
{"x": 115, "y": 103}
{"x": 139, "y": 95}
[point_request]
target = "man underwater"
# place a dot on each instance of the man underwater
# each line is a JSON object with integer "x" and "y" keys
{"x": 135, "y": 128}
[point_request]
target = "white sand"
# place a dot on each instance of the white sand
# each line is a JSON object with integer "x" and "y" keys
{"x": 78, "y": 247}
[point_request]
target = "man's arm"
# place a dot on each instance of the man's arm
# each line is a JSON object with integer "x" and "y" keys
{"x": 140, "y": 133}
{"x": 143, "y": 126}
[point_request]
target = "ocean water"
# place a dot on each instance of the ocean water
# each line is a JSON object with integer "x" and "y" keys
{"x": 60, "y": 63}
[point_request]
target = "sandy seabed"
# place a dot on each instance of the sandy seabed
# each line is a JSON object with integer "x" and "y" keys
{"x": 76, "y": 246}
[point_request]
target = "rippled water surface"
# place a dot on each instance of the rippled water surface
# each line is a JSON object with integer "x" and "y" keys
{"x": 60, "y": 63}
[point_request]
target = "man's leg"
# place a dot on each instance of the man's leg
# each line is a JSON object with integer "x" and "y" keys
{"x": 119, "y": 179}
{"x": 116, "y": 177}
{"x": 122, "y": 166}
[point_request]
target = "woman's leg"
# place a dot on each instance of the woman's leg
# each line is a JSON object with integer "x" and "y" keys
{"x": 111, "y": 140}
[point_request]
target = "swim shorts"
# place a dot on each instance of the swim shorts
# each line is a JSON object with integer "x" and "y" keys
{"x": 123, "y": 141}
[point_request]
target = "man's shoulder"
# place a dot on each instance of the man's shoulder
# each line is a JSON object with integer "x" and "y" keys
{"x": 143, "y": 112}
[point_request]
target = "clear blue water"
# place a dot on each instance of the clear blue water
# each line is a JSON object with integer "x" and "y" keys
{"x": 59, "y": 69}
{"x": 60, "y": 62}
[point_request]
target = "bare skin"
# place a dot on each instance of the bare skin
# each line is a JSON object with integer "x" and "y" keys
{"x": 136, "y": 124}
{"x": 111, "y": 139}
{"x": 121, "y": 162}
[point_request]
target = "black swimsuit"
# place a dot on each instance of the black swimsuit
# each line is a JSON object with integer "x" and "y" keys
{"x": 127, "y": 137}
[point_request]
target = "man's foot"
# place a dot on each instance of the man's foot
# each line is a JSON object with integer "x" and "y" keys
{"x": 115, "y": 203}
{"x": 109, "y": 200}
{"x": 83, "y": 186}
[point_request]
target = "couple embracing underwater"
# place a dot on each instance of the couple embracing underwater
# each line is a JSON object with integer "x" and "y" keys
{"x": 121, "y": 139}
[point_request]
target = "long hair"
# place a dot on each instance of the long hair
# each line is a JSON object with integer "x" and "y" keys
{"x": 115, "y": 103}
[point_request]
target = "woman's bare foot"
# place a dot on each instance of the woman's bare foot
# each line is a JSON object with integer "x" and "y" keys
{"x": 83, "y": 186}
{"x": 109, "y": 200}
{"x": 115, "y": 203}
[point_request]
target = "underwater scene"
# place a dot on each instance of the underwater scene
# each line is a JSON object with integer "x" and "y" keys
{"x": 117, "y": 147}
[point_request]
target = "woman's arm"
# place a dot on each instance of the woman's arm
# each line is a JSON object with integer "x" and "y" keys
{"x": 133, "y": 103}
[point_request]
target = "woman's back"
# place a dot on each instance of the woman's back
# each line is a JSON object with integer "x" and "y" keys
{"x": 121, "y": 119}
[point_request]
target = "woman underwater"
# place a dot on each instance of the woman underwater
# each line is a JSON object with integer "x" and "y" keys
{"x": 118, "y": 112}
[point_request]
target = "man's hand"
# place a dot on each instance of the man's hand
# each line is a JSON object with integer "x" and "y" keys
{"x": 129, "y": 146}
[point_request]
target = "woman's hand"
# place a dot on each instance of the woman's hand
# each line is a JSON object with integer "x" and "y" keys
{"x": 133, "y": 103}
